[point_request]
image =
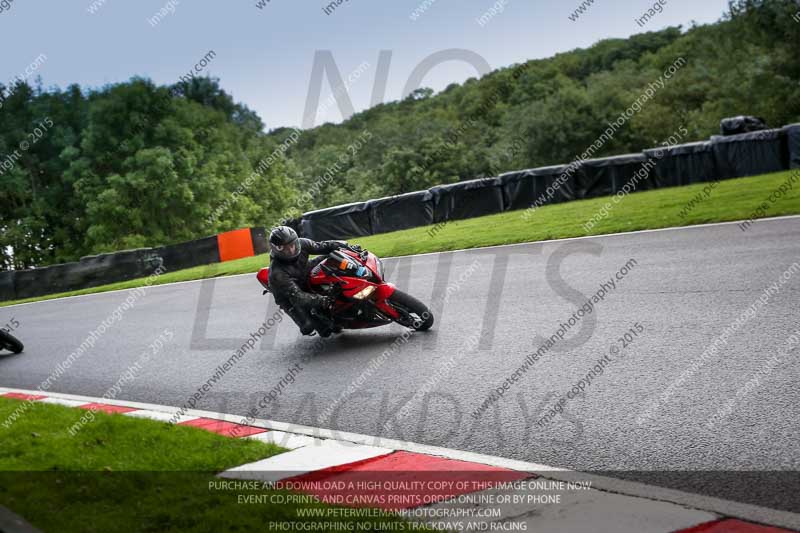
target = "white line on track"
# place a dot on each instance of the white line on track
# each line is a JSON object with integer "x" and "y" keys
{"x": 724, "y": 507}
{"x": 673, "y": 228}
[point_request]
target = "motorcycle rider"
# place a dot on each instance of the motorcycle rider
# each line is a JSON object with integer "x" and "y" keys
{"x": 288, "y": 279}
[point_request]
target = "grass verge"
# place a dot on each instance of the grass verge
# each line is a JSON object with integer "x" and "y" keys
{"x": 127, "y": 474}
{"x": 735, "y": 199}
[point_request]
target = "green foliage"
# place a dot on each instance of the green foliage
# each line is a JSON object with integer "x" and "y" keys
{"x": 139, "y": 165}
{"x": 555, "y": 108}
{"x": 132, "y": 165}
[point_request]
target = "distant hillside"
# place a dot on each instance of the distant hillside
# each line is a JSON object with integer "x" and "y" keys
{"x": 557, "y": 107}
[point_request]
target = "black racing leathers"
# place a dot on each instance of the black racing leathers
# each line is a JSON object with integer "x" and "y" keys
{"x": 288, "y": 282}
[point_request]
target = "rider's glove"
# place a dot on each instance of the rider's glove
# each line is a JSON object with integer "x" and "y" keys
{"x": 327, "y": 302}
{"x": 355, "y": 248}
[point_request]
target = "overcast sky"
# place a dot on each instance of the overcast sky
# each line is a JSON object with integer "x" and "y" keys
{"x": 264, "y": 57}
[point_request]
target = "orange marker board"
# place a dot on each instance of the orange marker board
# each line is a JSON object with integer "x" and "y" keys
{"x": 235, "y": 245}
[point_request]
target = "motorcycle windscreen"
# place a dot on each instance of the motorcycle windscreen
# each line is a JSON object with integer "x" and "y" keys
{"x": 346, "y": 265}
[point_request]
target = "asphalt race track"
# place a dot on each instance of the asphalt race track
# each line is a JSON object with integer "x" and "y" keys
{"x": 737, "y": 408}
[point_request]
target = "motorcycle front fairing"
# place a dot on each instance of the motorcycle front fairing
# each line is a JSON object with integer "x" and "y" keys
{"x": 360, "y": 281}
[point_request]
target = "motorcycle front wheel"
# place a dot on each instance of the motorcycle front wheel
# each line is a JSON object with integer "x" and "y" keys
{"x": 9, "y": 342}
{"x": 413, "y": 313}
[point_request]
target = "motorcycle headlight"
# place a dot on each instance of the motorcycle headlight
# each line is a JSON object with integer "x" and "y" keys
{"x": 364, "y": 293}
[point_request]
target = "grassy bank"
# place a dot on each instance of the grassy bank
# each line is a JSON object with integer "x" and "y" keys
{"x": 128, "y": 474}
{"x": 729, "y": 200}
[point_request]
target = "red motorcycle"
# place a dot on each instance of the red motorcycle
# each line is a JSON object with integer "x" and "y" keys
{"x": 363, "y": 298}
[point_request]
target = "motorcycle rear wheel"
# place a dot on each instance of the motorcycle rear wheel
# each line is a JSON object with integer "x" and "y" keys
{"x": 413, "y": 313}
{"x": 10, "y": 343}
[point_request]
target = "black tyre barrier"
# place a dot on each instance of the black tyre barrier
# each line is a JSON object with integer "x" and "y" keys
{"x": 792, "y": 133}
{"x": 683, "y": 164}
{"x": 607, "y": 176}
{"x": 539, "y": 186}
{"x": 401, "y": 212}
{"x": 351, "y": 220}
{"x": 554, "y": 184}
{"x": 7, "y": 291}
{"x": 102, "y": 269}
{"x": 749, "y": 154}
{"x": 260, "y": 244}
{"x": 467, "y": 199}
{"x": 294, "y": 223}
{"x": 189, "y": 254}
{"x": 722, "y": 157}
{"x": 518, "y": 189}
{"x": 90, "y": 271}
{"x": 741, "y": 124}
